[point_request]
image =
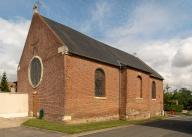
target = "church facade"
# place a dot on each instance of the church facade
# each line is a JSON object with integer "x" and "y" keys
{"x": 74, "y": 78}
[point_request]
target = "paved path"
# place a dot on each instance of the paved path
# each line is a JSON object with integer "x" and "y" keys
{"x": 11, "y": 122}
{"x": 174, "y": 127}
{"x": 28, "y": 132}
{"x": 11, "y": 128}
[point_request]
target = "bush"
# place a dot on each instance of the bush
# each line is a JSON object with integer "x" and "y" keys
{"x": 41, "y": 114}
{"x": 173, "y": 107}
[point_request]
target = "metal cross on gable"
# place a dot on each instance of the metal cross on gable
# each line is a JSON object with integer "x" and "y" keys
{"x": 36, "y": 6}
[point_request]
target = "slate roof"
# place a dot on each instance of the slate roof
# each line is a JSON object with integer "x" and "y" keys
{"x": 82, "y": 45}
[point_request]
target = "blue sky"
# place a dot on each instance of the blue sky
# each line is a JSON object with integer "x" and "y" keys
{"x": 76, "y": 13}
{"x": 73, "y": 13}
{"x": 159, "y": 31}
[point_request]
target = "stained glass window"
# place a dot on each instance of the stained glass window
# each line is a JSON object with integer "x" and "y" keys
{"x": 99, "y": 83}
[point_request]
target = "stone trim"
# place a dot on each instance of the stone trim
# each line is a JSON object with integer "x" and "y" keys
{"x": 63, "y": 50}
{"x": 102, "y": 98}
{"x": 92, "y": 119}
{"x": 67, "y": 118}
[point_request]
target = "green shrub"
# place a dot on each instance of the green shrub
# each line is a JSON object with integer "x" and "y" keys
{"x": 173, "y": 107}
{"x": 41, "y": 114}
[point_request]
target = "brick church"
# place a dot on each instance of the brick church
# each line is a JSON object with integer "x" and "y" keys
{"x": 75, "y": 78}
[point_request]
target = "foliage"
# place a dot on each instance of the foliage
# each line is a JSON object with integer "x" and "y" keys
{"x": 4, "y": 83}
{"x": 182, "y": 96}
{"x": 173, "y": 107}
{"x": 41, "y": 114}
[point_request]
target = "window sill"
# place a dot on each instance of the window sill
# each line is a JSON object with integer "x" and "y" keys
{"x": 139, "y": 98}
{"x": 103, "y": 98}
{"x": 154, "y": 99}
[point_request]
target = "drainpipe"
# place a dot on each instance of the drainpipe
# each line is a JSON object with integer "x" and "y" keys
{"x": 119, "y": 88}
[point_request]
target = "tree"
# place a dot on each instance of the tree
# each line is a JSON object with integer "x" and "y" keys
{"x": 182, "y": 96}
{"x": 4, "y": 83}
{"x": 185, "y": 97}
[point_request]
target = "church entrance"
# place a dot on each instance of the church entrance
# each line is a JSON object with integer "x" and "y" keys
{"x": 35, "y": 104}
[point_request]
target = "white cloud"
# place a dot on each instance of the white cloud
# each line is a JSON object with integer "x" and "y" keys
{"x": 147, "y": 22}
{"x": 12, "y": 37}
{"x": 97, "y": 16}
{"x": 162, "y": 57}
{"x": 183, "y": 57}
{"x": 171, "y": 56}
{"x": 101, "y": 9}
{"x": 143, "y": 20}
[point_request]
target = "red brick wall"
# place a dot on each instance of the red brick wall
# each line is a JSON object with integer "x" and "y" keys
{"x": 80, "y": 101}
{"x": 51, "y": 89}
{"x": 156, "y": 105}
{"x": 143, "y": 107}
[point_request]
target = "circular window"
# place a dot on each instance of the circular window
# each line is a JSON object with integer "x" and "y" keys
{"x": 35, "y": 71}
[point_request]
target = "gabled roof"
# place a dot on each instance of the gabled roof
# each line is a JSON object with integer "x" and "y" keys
{"x": 82, "y": 45}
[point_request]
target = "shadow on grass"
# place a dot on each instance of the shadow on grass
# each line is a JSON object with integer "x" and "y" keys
{"x": 175, "y": 124}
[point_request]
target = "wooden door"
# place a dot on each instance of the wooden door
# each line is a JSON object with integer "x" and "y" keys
{"x": 35, "y": 104}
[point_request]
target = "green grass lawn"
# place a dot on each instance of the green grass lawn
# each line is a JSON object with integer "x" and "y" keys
{"x": 77, "y": 128}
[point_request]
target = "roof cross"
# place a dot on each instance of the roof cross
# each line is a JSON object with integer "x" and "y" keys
{"x": 36, "y": 6}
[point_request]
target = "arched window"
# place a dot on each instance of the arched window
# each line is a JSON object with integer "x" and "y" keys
{"x": 153, "y": 90}
{"x": 139, "y": 87}
{"x": 35, "y": 71}
{"x": 99, "y": 83}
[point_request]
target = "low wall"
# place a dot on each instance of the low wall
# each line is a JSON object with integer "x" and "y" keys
{"x": 13, "y": 105}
